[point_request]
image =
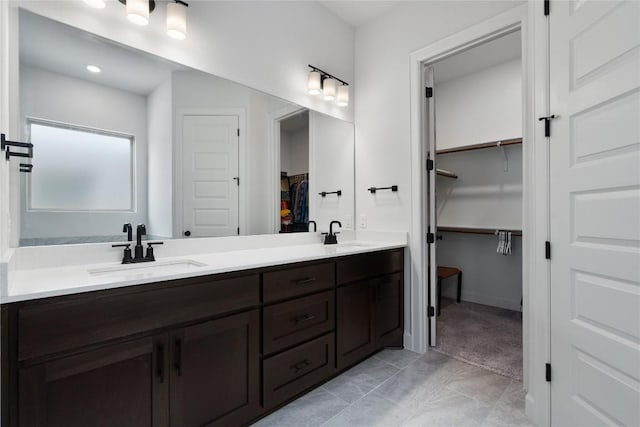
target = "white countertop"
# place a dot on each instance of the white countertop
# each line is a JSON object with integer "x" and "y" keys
{"x": 27, "y": 283}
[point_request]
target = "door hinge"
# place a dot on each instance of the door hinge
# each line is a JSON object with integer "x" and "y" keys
{"x": 431, "y": 311}
{"x": 238, "y": 131}
{"x": 547, "y": 250}
{"x": 547, "y": 124}
{"x": 431, "y": 238}
{"x": 428, "y": 92}
{"x": 429, "y": 164}
{"x": 547, "y": 372}
{"x": 547, "y": 7}
{"x": 238, "y": 231}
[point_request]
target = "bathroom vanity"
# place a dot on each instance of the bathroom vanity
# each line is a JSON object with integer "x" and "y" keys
{"x": 213, "y": 349}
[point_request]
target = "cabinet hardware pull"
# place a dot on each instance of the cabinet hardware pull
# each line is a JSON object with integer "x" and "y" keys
{"x": 305, "y": 281}
{"x": 304, "y": 318}
{"x": 177, "y": 357}
{"x": 301, "y": 365}
{"x": 160, "y": 363}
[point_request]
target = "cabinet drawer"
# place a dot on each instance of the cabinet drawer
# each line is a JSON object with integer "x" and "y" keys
{"x": 291, "y": 282}
{"x": 295, "y": 370}
{"x": 292, "y": 322}
{"x": 360, "y": 267}
{"x": 70, "y": 323}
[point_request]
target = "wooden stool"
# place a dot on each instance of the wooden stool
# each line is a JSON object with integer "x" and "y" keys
{"x": 445, "y": 273}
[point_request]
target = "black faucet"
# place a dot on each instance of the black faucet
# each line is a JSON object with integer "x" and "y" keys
{"x": 128, "y": 229}
{"x": 331, "y": 239}
{"x": 315, "y": 226}
{"x": 140, "y": 231}
{"x": 138, "y": 250}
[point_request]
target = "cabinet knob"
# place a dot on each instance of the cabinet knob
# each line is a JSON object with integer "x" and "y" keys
{"x": 187, "y": 233}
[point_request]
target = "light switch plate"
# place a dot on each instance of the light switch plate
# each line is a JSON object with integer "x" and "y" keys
{"x": 363, "y": 221}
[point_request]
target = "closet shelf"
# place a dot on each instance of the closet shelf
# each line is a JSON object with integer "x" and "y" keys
{"x": 471, "y": 230}
{"x": 492, "y": 144}
{"x": 446, "y": 173}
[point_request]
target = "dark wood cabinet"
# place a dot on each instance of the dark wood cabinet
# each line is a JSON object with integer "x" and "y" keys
{"x": 355, "y": 322}
{"x": 215, "y": 372}
{"x": 124, "y": 384}
{"x": 218, "y": 350}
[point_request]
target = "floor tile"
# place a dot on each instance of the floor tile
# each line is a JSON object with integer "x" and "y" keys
{"x": 509, "y": 410}
{"x": 370, "y": 411}
{"x": 376, "y": 368}
{"x": 312, "y": 409}
{"x": 408, "y": 387}
{"x": 351, "y": 386}
{"x": 450, "y": 409}
{"x": 479, "y": 384}
{"x": 399, "y": 358}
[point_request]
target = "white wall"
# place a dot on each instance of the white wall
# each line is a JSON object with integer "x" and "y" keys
{"x": 285, "y": 152}
{"x": 160, "y": 154}
{"x": 481, "y": 107}
{"x": 382, "y": 50}
{"x": 52, "y": 96}
{"x": 265, "y": 45}
{"x": 297, "y": 145}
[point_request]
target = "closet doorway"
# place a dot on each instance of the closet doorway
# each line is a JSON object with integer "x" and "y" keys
{"x": 474, "y": 131}
{"x": 293, "y": 137}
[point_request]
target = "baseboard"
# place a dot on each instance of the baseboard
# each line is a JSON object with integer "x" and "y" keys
{"x": 490, "y": 300}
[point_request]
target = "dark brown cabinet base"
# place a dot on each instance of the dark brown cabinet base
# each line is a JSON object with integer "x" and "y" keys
{"x": 214, "y": 350}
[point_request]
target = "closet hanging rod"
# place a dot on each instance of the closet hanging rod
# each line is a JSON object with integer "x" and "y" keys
{"x": 446, "y": 173}
{"x": 491, "y": 144}
{"x": 471, "y": 230}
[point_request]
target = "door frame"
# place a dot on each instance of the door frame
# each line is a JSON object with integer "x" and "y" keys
{"x": 275, "y": 117}
{"x": 529, "y": 19}
{"x": 178, "y": 200}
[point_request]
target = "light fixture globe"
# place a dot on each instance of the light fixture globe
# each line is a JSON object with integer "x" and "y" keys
{"x": 177, "y": 20}
{"x": 343, "y": 96}
{"x": 314, "y": 84}
{"x": 138, "y": 11}
{"x": 329, "y": 89}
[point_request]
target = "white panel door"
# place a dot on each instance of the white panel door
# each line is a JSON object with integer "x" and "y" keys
{"x": 210, "y": 175}
{"x": 595, "y": 213}
{"x": 430, "y": 153}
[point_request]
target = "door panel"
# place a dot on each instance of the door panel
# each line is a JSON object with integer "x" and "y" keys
{"x": 355, "y": 322}
{"x": 210, "y": 164}
{"x": 214, "y": 372}
{"x": 119, "y": 385}
{"x": 389, "y": 311}
{"x": 595, "y": 213}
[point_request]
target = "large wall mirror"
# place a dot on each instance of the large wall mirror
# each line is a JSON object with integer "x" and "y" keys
{"x": 121, "y": 136}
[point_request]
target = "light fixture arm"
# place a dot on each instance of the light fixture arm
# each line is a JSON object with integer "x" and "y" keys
{"x": 324, "y": 75}
{"x": 152, "y": 4}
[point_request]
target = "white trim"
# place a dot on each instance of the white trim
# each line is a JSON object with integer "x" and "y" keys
{"x": 178, "y": 220}
{"x": 275, "y": 117}
{"x": 535, "y": 318}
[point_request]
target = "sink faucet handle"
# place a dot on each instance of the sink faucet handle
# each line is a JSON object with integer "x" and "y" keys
{"x": 150, "y": 256}
{"x": 126, "y": 259}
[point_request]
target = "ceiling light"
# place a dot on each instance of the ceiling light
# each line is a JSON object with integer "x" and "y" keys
{"x": 329, "y": 89}
{"x": 314, "y": 84}
{"x": 93, "y": 68}
{"x": 138, "y": 11}
{"x": 343, "y": 96}
{"x": 98, "y": 4}
{"x": 177, "y": 20}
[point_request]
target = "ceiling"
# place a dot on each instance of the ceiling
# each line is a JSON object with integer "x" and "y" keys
{"x": 56, "y": 47}
{"x": 498, "y": 51}
{"x": 359, "y": 12}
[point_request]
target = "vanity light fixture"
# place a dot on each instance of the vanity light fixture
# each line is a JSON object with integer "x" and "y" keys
{"x": 138, "y": 12}
{"x": 331, "y": 87}
{"x": 93, "y": 68}
{"x": 177, "y": 20}
{"x": 98, "y": 4}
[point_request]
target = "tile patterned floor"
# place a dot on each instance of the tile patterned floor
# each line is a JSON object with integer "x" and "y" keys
{"x": 402, "y": 388}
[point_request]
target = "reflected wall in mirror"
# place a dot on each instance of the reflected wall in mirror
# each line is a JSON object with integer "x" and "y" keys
{"x": 149, "y": 141}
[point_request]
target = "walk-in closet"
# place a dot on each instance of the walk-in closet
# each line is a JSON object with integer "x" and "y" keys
{"x": 477, "y": 100}
{"x": 294, "y": 175}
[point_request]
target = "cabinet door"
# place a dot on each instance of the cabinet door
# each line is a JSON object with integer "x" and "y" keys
{"x": 355, "y": 322}
{"x": 389, "y": 311}
{"x": 215, "y": 372}
{"x": 119, "y": 385}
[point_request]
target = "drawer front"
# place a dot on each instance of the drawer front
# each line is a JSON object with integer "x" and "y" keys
{"x": 289, "y": 323}
{"x": 360, "y": 267}
{"x": 298, "y": 369}
{"x": 291, "y": 282}
{"x": 89, "y": 319}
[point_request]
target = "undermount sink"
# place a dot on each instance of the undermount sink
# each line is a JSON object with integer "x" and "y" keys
{"x": 151, "y": 267}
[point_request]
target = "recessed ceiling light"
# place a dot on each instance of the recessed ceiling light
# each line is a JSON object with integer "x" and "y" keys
{"x": 93, "y": 68}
